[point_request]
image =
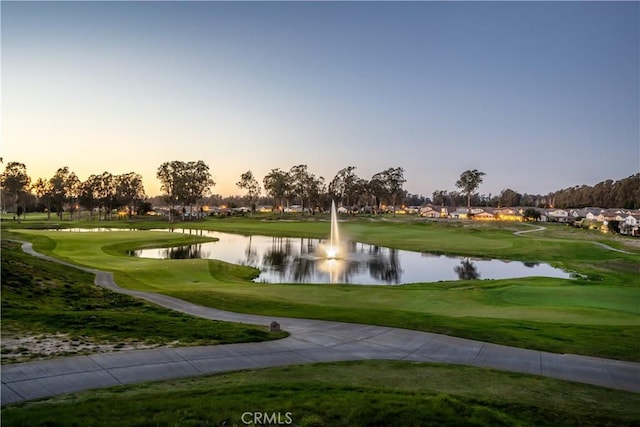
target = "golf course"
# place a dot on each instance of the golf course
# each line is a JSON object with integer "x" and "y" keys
{"x": 595, "y": 313}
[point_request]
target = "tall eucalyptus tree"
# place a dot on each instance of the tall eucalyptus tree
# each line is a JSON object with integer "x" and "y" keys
{"x": 15, "y": 181}
{"x": 469, "y": 182}
{"x": 170, "y": 175}
{"x": 129, "y": 191}
{"x": 249, "y": 183}
{"x": 42, "y": 190}
{"x": 388, "y": 183}
{"x": 277, "y": 184}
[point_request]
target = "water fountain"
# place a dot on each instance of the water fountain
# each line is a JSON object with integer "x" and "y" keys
{"x": 337, "y": 260}
{"x": 334, "y": 241}
{"x": 333, "y": 263}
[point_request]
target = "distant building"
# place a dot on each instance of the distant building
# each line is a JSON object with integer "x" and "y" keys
{"x": 558, "y": 215}
{"x": 508, "y": 214}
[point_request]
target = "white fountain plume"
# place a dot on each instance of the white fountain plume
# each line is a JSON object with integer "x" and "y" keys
{"x": 334, "y": 244}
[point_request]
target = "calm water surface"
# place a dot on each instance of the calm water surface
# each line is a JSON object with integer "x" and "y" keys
{"x": 303, "y": 260}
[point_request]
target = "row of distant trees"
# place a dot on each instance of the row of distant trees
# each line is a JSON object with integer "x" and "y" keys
{"x": 623, "y": 193}
{"x": 299, "y": 185}
{"x": 186, "y": 184}
{"x": 189, "y": 184}
{"x": 102, "y": 192}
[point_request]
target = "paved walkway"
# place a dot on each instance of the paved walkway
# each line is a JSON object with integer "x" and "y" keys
{"x": 310, "y": 341}
{"x": 602, "y": 245}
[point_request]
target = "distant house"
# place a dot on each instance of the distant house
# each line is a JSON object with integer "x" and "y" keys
{"x": 459, "y": 213}
{"x": 542, "y": 212}
{"x": 631, "y": 225}
{"x": 606, "y": 216}
{"x": 293, "y": 209}
{"x": 584, "y": 213}
{"x": 429, "y": 212}
{"x": 485, "y": 215}
{"x": 508, "y": 214}
{"x": 434, "y": 211}
{"x": 558, "y": 215}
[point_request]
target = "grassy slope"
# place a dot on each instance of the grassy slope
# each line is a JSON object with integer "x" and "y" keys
{"x": 580, "y": 316}
{"x": 343, "y": 394}
{"x": 43, "y": 297}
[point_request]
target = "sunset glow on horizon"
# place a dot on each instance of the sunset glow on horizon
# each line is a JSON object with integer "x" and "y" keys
{"x": 539, "y": 96}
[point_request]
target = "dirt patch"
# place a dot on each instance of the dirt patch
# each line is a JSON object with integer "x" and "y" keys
{"x": 46, "y": 346}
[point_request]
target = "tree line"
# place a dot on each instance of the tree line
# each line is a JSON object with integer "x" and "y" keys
{"x": 102, "y": 192}
{"x": 623, "y": 193}
{"x": 298, "y": 184}
{"x": 187, "y": 186}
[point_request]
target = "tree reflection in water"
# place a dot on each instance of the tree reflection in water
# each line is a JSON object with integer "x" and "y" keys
{"x": 277, "y": 256}
{"x": 184, "y": 252}
{"x": 302, "y": 269}
{"x": 382, "y": 266}
{"x": 467, "y": 270}
{"x": 251, "y": 255}
{"x": 303, "y": 260}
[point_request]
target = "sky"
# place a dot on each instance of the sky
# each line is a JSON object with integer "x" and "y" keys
{"x": 538, "y": 95}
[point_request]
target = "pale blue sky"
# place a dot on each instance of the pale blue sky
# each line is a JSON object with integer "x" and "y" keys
{"x": 538, "y": 95}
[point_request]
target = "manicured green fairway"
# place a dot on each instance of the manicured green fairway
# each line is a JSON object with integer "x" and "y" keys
{"x": 42, "y": 299}
{"x": 342, "y": 394}
{"x": 595, "y": 317}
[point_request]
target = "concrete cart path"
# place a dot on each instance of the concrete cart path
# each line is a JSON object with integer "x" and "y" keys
{"x": 310, "y": 341}
{"x": 602, "y": 245}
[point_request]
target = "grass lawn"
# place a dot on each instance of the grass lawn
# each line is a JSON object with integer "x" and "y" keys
{"x": 599, "y": 316}
{"x": 383, "y": 393}
{"x": 51, "y": 310}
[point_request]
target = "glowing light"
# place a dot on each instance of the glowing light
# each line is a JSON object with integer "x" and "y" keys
{"x": 332, "y": 252}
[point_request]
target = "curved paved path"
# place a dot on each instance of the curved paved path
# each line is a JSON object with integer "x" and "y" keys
{"x": 537, "y": 228}
{"x": 602, "y": 245}
{"x": 310, "y": 341}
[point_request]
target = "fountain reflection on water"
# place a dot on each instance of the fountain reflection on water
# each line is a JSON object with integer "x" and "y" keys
{"x": 333, "y": 264}
{"x": 303, "y": 260}
{"x": 282, "y": 260}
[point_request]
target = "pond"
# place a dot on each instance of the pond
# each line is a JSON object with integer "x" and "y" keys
{"x": 301, "y": 260}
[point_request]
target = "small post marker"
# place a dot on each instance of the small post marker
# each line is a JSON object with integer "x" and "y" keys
{"x": 274, "y": 327}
